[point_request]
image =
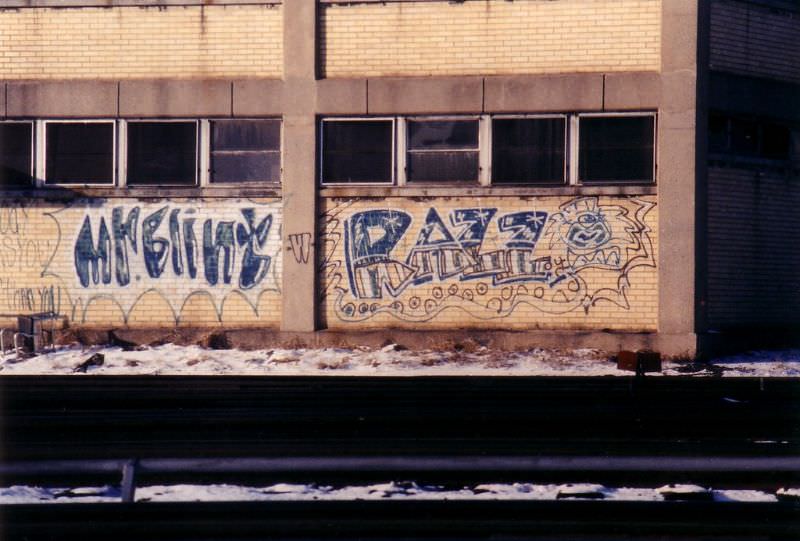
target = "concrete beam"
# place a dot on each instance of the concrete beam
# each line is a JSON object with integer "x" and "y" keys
{"x": 677, "y": 174}
{"x": 424, "y": 96}
{"x": 258, "y": 97}
{"x": 62, "y": 99}
{"x": 299, "y": 182}
{"x": 632, "y": 91}
{"x": 162, "y": 98}
{"x": 342, "y": 97}
{"x": 579, "y": 92}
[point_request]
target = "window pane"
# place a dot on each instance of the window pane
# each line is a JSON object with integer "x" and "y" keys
{"x": 357, "y": 151}
{"x": 15, "y": 153}
{"x": 245, "y": 166}
{"x": 442, "y": 134}
{"x": 775, "y": 141}
{"x": 79, "y": 153}
{"x": 718, "y": 133}
{"x": 245, "y": 150}
{"x": 246, "y": 134}
{"x": 528, "y": 150}
{"x": 616, "y": 149}
{"x": 162, "y": 153}
{"x": 442, "y": 166}
{"x": 744, "y": 137}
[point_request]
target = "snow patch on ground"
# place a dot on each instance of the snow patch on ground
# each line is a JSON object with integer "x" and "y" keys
{"x": 391, "y": 490}
{"x": 170, "y": 359}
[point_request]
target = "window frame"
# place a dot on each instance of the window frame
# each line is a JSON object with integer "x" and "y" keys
{"x": 575, "y": 179}
{"x": 565, "y": 179}
{"x": 199, "y": 153}
{"x": 484, "y": 139}
{"x": 41, "y": 159}
{"x": 321, "y": 151}
{"x": 207, "y": 150}
{"x": 33, "y": 145}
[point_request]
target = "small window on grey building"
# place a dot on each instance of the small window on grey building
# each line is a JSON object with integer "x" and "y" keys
{"x": 442, "y": 151}
{"x": 775, "y": 141}
{"x": 357, "y": 151}
{"x": 615, "y": 149}
{"x": 528, "y": 150}
{"x": 744, "y": 137}
{"x": 162, "y": 153}
{"x": 16, "y": 154}
{"x": 245, "y": 150}
{"x": 79, "y": 153}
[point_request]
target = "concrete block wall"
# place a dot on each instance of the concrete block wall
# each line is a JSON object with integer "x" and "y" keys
{"x": 162, "y": 262}
{"x": 493, "y": 262}
{"x": 489, "y": 37}
{"x": 157, "y": 41}
{"x": 752, "y": 261}
{"x": 755, "y": 39}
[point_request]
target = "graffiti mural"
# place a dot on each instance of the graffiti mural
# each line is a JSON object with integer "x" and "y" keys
{"x": 175, "y": 250}
{"x": 414, "y": 264}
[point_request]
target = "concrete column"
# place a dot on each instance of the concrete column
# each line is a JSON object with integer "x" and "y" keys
{"x": 677, "y": 180}
{"x": 299, "y": 183}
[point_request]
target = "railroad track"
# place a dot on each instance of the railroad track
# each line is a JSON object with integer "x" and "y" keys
{"x": 456, "y": 431}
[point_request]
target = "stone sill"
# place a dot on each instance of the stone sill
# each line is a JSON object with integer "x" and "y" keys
{"x": 483, "y": 191}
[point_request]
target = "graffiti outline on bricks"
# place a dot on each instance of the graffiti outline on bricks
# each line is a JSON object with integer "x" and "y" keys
{"x": 481, "y": 260}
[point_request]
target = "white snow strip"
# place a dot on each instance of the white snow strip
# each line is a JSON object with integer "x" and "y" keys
{"x": 302, "y": 492}
{"x": 170, "y": 359}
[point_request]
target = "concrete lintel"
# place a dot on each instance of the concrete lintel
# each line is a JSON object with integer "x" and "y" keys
{"x": 342, "y": 97}
{"x": 434, "y": 95}
{"x": 258, "y": 97}
{"x": 164, "y": 98}
{"x": 62, "y": 99}
{"x": 632, "y": 91}
{"x": 574, "y": 92}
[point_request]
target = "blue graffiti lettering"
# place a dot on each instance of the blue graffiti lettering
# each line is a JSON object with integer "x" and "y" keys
{"x": 254, "y": 266}
{"x": 86, "y": 254}
{"x": 369, "y": 239}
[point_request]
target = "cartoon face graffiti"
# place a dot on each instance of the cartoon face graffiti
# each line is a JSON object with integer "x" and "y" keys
{"x": 593, "y": 236}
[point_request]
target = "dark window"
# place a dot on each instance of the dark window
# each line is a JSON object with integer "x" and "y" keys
{"x": 79, "y": 153}
{"x": 442, "y": 150}
{"x": 775, "y": 141}
{"x": 245, "y": 150}
{"x": 616, "y": 149}
{"x": 16, "y": 139}
{"x": 357, "y": 151}
{"x": 528, "y": 150}
{"x": 162, "y": 153}
{"x": 718, "y": 133}
{"x": 744, "y": 137}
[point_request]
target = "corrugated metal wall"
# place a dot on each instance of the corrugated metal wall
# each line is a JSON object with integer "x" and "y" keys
{"x": 752, "y": 38}
{"x": 753, "y": 249}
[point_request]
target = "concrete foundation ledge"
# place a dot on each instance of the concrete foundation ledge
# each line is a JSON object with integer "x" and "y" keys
{"x": 676, "y": 346}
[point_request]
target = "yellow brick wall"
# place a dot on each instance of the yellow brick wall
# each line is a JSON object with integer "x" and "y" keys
{"x": 141, "y": 42}
{"x": 490, "y": 37}
{"x": 595, "y": 263}
{"x": 39, "y": 263}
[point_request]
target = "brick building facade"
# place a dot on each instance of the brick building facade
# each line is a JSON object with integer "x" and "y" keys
{"x": 566, "y": 172}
